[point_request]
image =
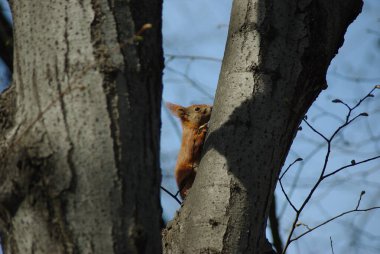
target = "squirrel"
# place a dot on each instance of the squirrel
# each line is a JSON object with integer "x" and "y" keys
{"x": 194, "y": 120}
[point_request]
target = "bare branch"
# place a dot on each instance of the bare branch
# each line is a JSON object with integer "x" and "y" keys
{"x": 334, "y": 218}
{"x": 323, "y": 170}
{"x": 204, "y": 58}
{"x": 313, "y": 129}
{"x": 350, "y": 165}
{"x": 171, "y": 194}
{"x": 365, "y": 97}
{"x": 360, "y": 199}
{"x": 291, "y": 164}
{"x": 282, "y": 187}
{"x": 286, "y": 196}
{"x": 331, "y": 245}
{"x": 348, "y": 122}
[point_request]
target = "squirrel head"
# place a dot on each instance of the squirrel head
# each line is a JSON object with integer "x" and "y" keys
{"x": 192, "y": 116}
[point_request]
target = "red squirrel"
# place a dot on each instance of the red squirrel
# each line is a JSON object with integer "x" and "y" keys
{"x": 194, "y": 121}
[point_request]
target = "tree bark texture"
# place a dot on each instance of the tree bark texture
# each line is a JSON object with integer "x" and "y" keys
{"x": 274, "y": 67}
{"x": 79, "y": 129}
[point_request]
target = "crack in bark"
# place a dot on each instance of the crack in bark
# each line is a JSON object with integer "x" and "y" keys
{"x": 68, "y": 243}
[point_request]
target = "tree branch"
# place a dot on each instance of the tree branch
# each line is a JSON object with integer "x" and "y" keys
{"x": 323, "y": 170}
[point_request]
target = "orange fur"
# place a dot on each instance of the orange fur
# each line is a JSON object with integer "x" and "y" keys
{"x": 194, "y": 126}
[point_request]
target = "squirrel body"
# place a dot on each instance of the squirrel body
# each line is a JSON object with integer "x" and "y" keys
{"x": 194, "y": 121}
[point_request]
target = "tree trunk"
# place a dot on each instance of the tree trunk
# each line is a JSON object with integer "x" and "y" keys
{"x": 274, "y": 67}
{"x": 79, "y": 129}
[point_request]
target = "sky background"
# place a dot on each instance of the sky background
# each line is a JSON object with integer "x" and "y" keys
{"x": 194, "y": 40}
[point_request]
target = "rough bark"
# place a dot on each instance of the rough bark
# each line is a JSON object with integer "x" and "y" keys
{"x": 79, "y": 129}
{"x": 274, "y": 67}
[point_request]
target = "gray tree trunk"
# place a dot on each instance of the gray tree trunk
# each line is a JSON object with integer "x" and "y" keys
{"x": 274, "y": 67}
{"x": 79, "y": 129}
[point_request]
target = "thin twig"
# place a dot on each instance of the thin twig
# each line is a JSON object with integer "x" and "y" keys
{"x": 171, "y": 194}
{"x": 365, "y": 97}
{"x": 360, "y": 199}
{"x": 345, "y": 124}
{"x": 205, "y": 58}
{"x": 303, "y": 224}
{"x": 313, "y": 129}
{"x": 334, "y": 218}
{"x": 290, "y": 165}
{"x": 297, "y": 177}
{"x": 351, "y": 165}
{"x": 282, "y": 187}
{"x": 331, "y": 245}
{"x": 322, "y": 175}
{"x": 286, "y": 196}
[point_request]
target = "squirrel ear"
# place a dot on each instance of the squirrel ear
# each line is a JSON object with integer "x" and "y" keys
{"x": 175, "y": 109}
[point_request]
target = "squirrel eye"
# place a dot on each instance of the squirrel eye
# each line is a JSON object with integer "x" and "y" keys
{"x": 197, "y": 109}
